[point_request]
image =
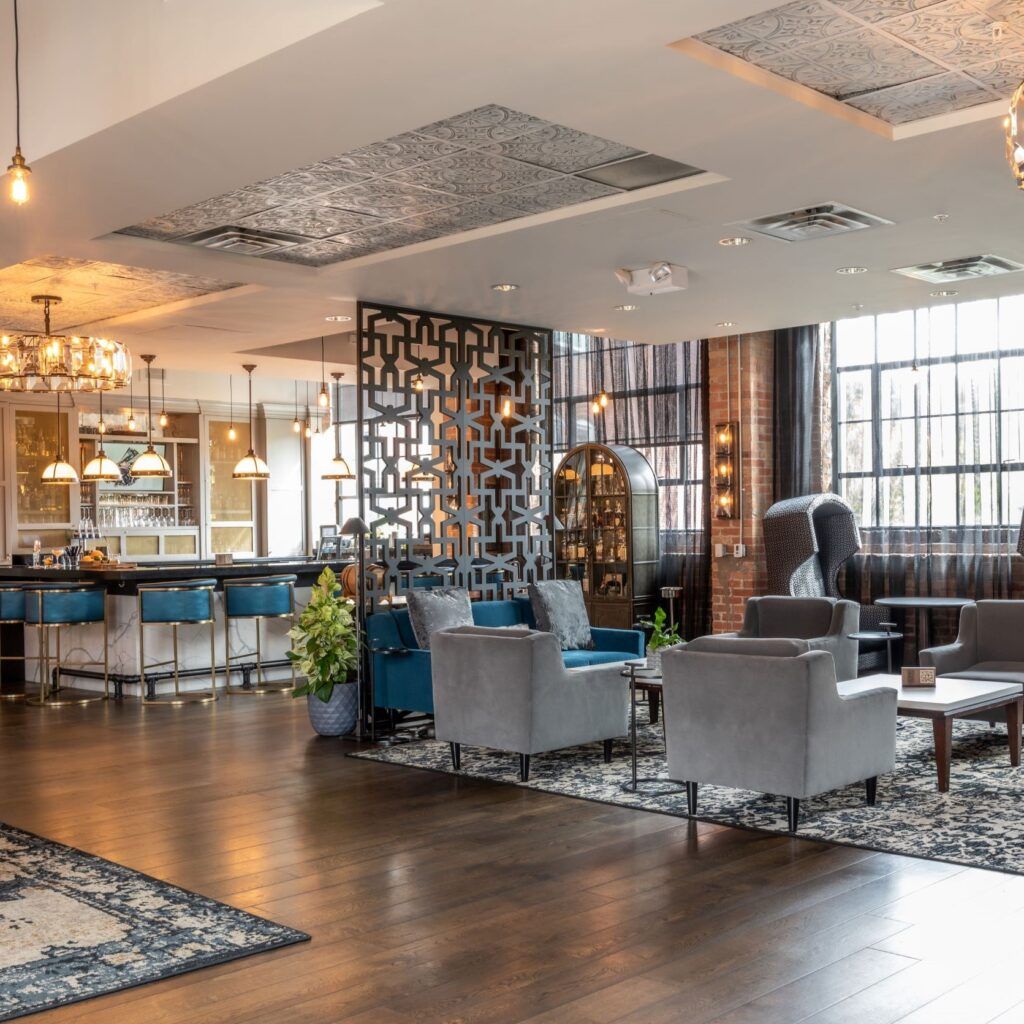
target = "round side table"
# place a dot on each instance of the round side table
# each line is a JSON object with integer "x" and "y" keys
{"x": 638, "y": 671}
{"x": 887, "y": 635}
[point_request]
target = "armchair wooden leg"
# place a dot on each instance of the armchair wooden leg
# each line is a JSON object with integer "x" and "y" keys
{"x": 793, "y": 812}
{"x": 691, "y": 798}
{"x": 607, "y": 751}
{"x": 456, "y": 755}
{"x": 524, "y": 767}
{"x": 871, "y": 788}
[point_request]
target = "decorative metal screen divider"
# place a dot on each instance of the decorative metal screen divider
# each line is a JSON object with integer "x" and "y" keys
{"x": 455, "y": 454}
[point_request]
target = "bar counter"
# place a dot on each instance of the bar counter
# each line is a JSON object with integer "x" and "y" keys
{"x": 85, "y": 643}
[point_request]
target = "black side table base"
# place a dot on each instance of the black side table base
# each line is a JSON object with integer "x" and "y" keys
{"x": 638, "y": 787}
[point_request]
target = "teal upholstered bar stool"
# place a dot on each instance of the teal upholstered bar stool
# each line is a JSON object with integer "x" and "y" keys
{"x": 12, "y": 613}
{"x": 265, "y": 597}
{"x": 51, "y": 607}
{"x": 174, "y": 604}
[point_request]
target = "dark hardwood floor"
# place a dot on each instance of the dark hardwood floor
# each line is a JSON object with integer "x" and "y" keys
{"x": 434, "y": 899}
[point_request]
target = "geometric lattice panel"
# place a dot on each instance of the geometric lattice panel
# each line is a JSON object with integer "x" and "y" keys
{"x": 455, "y": 475}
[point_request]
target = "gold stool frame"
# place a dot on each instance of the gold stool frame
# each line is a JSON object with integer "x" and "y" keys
{"x": 45, "y": 698}
{"x": 262, "y": 687}
{"x": 176, "y": 699}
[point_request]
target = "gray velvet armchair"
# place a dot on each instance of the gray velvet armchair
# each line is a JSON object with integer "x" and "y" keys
{"x": 773, "y": 723}
{"x": 510, "y": 690}
{"x": 819, "y": 623}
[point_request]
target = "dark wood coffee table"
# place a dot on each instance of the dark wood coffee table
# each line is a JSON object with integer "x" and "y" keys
{"x": 949, "y": 699}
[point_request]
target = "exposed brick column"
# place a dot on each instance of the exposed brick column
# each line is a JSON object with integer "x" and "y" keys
{"x": 733, "y": 579}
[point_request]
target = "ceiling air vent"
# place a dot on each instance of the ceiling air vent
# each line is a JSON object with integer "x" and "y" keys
{"x": 821, "y": 221}
{"x": 963, "y": 269}
{"x": 243, "y": 241}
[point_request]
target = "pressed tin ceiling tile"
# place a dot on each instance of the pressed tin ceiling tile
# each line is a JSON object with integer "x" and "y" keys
{"x": 477, "y": 168}
{"x": 879, "y": 10}
{"x": 954, "y": 32}
{"x": 796, "y": 23}
{"x": 910, "y": 102}
{"x": 1003, "y": 76}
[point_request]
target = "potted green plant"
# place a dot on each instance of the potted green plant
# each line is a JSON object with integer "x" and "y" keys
{"x": 325, "y": 649}
{"x": 661, "y": 639}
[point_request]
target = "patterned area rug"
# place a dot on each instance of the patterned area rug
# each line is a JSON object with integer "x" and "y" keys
{"x": 978, "y": 823}
{"x": 74, "y": 926}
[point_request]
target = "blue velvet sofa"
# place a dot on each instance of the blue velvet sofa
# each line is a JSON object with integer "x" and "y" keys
{"x": 401, "y": 671}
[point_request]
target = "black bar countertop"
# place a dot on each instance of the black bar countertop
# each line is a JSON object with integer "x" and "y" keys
{"x": 120, "y": 579}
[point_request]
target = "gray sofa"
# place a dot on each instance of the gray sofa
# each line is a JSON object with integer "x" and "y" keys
{"x": 772, "y": 723}
{"x": 819, "y": 623}
{"x": 989, "y": 645}
{"x": 509, "y": 689}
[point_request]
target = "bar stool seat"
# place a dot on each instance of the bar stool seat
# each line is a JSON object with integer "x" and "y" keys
{"x": 12, "y": 613}
{"x": 176, "y": 603}
{"x": 263, "y": 597}
{"x": 53, "y": 606}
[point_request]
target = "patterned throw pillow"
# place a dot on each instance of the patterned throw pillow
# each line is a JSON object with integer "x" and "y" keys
{"x": 558, "y": 608}
{"x": 431, "y": 610}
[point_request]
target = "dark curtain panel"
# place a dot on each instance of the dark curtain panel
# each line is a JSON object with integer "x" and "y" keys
{"x": 658, "y": 405}
{"x": 797, "y": 411}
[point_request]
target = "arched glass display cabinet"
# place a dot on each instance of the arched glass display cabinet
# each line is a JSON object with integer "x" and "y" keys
{"x": 606, "y": 531}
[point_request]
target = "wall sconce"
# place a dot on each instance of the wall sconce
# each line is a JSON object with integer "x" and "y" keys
{"x": 726, "y": 464}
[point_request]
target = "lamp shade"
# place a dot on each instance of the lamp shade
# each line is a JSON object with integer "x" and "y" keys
{"x": 150, "y": 464}
{"x": 101, "y": 467}
{"x": 354, "y": 527}
{"x": 60, "y": 473}
{"x": 251, "y": 467}
{"x": 338, "y": 470}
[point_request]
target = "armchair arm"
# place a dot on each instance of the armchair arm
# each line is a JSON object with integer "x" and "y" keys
{"x": 845, "y": 618}
{"x": 955, "y": 657}
{"x": 626, "y": 640}
{"x": 579, "y": 706}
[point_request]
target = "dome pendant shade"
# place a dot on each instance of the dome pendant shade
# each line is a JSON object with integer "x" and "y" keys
{"x": 251, "y": 467}
{"x": 101, "y": 468}
{"x": 339, "y": 469}
{"x": 60, "y": 473}
{"x": 150, "y": 464}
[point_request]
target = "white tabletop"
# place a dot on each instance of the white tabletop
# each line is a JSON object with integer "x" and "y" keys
{"x": 947, "y": 694}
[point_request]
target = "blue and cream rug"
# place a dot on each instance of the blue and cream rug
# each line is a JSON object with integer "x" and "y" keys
{"x": 73, "y": 926}
{"x": 979, "y": 823}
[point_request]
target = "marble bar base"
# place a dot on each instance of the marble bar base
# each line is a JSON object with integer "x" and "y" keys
{"x": 82, "y": 644}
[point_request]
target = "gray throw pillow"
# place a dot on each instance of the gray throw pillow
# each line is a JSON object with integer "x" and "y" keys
{"x": 431, "y": 610}
{"x": 558, "y": 608}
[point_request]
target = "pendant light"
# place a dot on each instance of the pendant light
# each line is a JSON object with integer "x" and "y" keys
{"x": 232, "y": 433}
{"x": 131, "y": 405}
{"x": 60, "y": 471}
{"x": 163, "y": 399}
{"x": 250, "y": 466}
{"x": 296, "y": 424}
{"x": 18, "y": 171}
{"x": 101, "y": 467}
{"x": 150, "y": 464}
{"x": 339, "y": 468}
{"x": 323, "y": 399}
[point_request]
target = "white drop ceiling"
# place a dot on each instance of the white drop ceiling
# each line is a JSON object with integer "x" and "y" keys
{"x": 260, "y": 106}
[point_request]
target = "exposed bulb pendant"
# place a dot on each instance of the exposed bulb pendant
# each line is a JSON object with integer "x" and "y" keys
{"x": 59, "y": 472}
{"x": 602, "y": 399}
{"x": 150, "y": 464}
{"x": 163, "y": 399}
{"x": 339, "y": 468}
{"x": 297, "y": 423}
{"x": 232, "y": 433}
{"x": 131, "y": 405}
{"x": 101, "y": 467}
{"x": 18, "y": 171}
{"x": 250, "y": 466}
{"x": 506, "y": 408}
{"x": 323, "y": 398}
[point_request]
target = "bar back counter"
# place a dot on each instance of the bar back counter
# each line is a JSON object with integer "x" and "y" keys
{"x": 82, "y": 653}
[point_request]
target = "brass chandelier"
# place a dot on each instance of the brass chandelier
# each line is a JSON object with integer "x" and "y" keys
{"x": 59, "y": 362}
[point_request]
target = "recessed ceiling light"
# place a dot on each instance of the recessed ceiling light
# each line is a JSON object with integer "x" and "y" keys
{"x": 858, "y": 306}
{"x": 734, "y": 240}
{"x": 851, "y": 270}
{"x": 944, "y": 293}
{"x": 624, "y": 309}
{"x": 595, "y": 330}
{"x": 504, "y": 286}
{"x": 941, "y": 217}
{"x": 337, "y": 318}
{"x": 725, "y": 323}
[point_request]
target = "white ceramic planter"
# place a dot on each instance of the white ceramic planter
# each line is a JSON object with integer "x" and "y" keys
{"x": 654, "y": 657}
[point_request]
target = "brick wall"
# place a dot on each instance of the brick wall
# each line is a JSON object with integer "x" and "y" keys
{"x": 733, "y": 579}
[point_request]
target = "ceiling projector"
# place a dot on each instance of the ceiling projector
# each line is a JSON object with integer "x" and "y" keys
{"x": 656, "y": 279}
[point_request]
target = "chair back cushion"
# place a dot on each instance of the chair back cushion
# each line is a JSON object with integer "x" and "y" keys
{"x": 178, "y": 601}
{"x": 801, "y": 618}
{"x": 266, "y": 596}
{"x": 763, "y": 647}
{"x": 1001, "y": 631}
{"x": 431, "y": 610}
{"x": 558, "y": 608}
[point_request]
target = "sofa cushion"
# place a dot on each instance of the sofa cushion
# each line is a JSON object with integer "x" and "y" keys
{"x": 581, "y": 659}
{"x": 992, "y": 671}
{"x": 558, "y": 608}
{"x": 431, "y": 610}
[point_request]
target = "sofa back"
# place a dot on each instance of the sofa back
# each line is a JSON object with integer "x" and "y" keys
{"x": 1000, "y": 630}
{"x": 393, "y": 629}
